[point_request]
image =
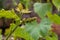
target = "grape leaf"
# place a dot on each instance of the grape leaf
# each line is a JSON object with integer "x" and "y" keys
{"x": 42, "y": 8}
{"x": 38, "y": 30}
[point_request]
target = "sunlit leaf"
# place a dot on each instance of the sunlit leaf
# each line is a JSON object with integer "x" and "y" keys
{"x": 52, "y": 36}
{"x": 20, "y": 32}
{"x": 54, "y": 18}
{"x": 20, "y": 6}
{"x": 8, "y": 14}
{"x": 25, "y": 11}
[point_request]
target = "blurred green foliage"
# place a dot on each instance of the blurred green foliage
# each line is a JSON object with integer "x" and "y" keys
{"x": 32, "y": 30}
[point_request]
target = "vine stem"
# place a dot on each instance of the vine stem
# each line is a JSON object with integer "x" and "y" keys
{"x": 15, "y": 27}
{"x": 13, "y": 31}
{"x": 21, "y": 22}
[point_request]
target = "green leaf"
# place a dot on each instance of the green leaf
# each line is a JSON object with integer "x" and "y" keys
{"x": 54, "y": 18}
{"x": 21, "y": 33}
{"x": 42, "y": 8}
{"x": 57, "y": 4}
{"x": 8, "y": 14}
{"x": 38, "y": 30}
{"x": 52, "y": 36}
